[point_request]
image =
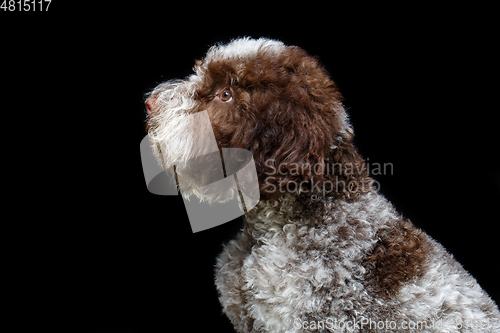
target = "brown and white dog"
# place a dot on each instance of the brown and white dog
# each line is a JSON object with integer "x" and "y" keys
{"x": 323, "y": 250}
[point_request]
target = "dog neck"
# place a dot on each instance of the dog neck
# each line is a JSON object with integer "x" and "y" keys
{"x": 275, "y": 215}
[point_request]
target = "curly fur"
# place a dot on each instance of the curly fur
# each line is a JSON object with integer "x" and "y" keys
{"x": 308, "y": 256}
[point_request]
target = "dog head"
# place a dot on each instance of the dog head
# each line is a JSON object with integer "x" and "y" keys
{"x": 271, "y": 99}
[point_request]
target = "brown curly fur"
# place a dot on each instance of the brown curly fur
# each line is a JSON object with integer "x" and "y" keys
{"x": 398, "y": 257}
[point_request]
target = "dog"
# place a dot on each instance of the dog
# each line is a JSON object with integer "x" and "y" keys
{"x": 322, "y": 251}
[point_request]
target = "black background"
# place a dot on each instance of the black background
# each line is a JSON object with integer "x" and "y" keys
{"x": 93, "y": 251}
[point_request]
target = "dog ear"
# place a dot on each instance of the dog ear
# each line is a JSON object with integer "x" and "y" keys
{"x": 309, "y": 156}
{"x": 346, "y": 173}
{"x": 305, "y": 144}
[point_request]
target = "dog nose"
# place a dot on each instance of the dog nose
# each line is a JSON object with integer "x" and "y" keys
{"x": 150, "y": 106}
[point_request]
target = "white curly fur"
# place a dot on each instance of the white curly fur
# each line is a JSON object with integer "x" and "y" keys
{"x": 174, "y": 129}
{"x": 243, "y": 48}
{"x": 266, "y": 275}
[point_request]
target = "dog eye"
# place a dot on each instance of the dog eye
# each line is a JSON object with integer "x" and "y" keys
{"x": 226, "y": 96}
